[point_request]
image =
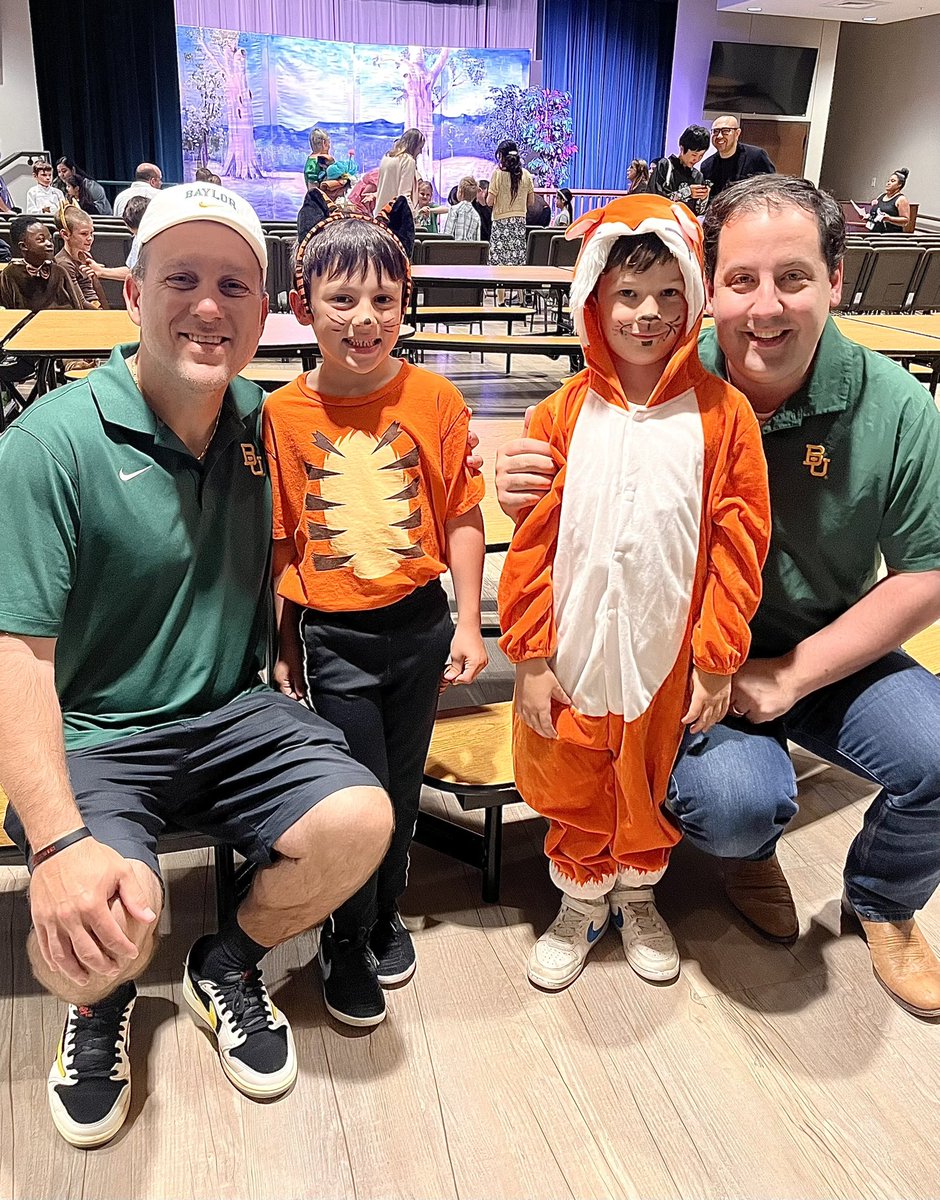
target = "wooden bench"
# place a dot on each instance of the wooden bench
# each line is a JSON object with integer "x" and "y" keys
{"x": 471, "y": 758}
{"x": 552, "y": 345}
{"x": 473, "y": 314}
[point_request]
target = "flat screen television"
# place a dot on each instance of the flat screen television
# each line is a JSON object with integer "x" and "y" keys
{"x": 748, "y": 78}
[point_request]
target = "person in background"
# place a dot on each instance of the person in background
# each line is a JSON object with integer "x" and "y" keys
{"x": 508, "y": 197}
{"x": 398, "y": 170}
{"x": 147, "y": 178}
{"x": 484, "y": 210}
{"x": 463, "y": 220}
{"x": 89, "y": 194}
{"x": 537, "y": 211}
{"x": 426, "y": 212}
{"x": 78, "y": 235}
{"x": 891, "y": 211}
{"x": 33, "y": 279}
{"x": 675, "y": 176}
{"x": 319, "y": 158}
{"x": 42, "y": 197}
{"x": 202, "y": 175}
{"x": 638, "y": 175}
{"x": 735, "y": 160}
{"x": 564, "y": 213}
{"x": 6, "y": 200}
{"x": 362, "y": 196}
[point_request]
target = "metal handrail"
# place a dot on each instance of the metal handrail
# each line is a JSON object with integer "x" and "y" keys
{"x": 29, "y": 155}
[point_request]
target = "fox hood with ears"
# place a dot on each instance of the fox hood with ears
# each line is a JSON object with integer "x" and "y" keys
{"x": 681, "y": 234}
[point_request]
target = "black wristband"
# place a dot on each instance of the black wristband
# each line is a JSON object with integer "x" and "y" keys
{"x": 61, "y": 843}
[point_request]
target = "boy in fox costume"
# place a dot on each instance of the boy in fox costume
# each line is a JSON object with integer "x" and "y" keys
{"x": 628, "y": 588}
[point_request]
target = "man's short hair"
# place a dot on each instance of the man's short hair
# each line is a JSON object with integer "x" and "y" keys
{"x": 775, "y": 192}
{"x": 134, "y": 209}
{"x": 203, "y": 175}
{"x": 18, "y": 228}
{"x": 146, "y": 172}
{"x": 695, "y": 137}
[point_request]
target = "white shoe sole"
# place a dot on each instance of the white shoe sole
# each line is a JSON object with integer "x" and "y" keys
{"x": 655, "y": 974}
{"x": 553, "y": 985}
{"x": 87, "y": 1137}
{"x": 355, "y": 1022}
{"x": 401, "y": 977}
{"x": 275, "y": 1085}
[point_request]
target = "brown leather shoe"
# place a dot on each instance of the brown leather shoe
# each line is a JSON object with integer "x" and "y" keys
{"x": 903, "y": 962}
{"x": 758, "y": 889}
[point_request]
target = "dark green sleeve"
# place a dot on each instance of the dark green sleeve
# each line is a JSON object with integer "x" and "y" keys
{"x": 38, "y": 536}
{"x": 910, "y": 529}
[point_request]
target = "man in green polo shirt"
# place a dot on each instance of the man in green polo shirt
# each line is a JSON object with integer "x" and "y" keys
{"x": 853, "y": 455}
{"x": 134, "y": 592}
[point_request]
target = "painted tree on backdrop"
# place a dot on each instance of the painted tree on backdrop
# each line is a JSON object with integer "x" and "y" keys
{"x": 539, "y": 120}
{"x": 231, "y": 61}
{"x": 425, "y": 87}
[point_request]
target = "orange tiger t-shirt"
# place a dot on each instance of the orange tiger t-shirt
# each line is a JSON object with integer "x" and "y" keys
{"x": 364, "y": 485}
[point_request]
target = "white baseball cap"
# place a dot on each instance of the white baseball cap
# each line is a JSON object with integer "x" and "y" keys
{"x": 203, "y": 202}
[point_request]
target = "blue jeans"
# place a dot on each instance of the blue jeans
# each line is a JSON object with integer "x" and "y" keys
{"x": 733, "y": 789}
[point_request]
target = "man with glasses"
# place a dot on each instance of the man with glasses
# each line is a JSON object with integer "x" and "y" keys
{"x": 735, "y": 159}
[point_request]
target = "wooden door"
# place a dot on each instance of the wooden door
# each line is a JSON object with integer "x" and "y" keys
{"x": 784, "y": 141}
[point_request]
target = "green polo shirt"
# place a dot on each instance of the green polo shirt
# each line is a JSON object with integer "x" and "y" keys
{"x": 853, "y": 460}
{"x": 149, "y": 567}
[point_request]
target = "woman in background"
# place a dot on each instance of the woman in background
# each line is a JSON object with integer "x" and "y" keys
{"x": 891, "y": 211}
{"x": 508, "y": 197}
{"x": 398, "y": 170}
{"x": 638, "y": 175}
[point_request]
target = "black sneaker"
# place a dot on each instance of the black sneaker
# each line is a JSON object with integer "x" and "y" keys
{"x": 350, "y": 984}
{"x": 392, "y": 946}
{"x": 254, "y": 1039}
{"x": 90, "y": 1082}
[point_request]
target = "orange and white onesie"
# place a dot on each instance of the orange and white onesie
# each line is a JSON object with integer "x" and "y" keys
{"x": 643, "y": 558}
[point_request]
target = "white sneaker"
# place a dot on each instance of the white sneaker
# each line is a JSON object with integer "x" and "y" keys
{"x": 649, "y": 946}
{"x": 560, "y": 953}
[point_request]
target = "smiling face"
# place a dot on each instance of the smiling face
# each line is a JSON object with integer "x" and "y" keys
{"x": 424, "y": 194}
{"x": 725, "y": 135}
{"x": 200, "y": 305}
{"x": 690, "y": 158}
{"x": 36, "y": 244}
{"x": 79, "y": 239}
{"x": 63, "y": 172}
{"x": 356, "y": 321}
{"x": 771, "y": 296}
{"x": 642, "y": 313}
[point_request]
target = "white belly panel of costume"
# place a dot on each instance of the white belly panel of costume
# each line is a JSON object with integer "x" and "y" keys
{"x": 628, "y": 544}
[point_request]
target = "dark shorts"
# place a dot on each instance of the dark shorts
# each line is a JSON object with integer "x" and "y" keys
{"x": 243, "y": 774}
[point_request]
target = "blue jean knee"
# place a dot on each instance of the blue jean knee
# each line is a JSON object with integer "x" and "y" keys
{"x": 733, "y": 790}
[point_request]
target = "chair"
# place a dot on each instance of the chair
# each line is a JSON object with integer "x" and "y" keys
{"x": 855, "y": 266}
{"x": 926, "y": 293}
{"x": 448, "y": 252}
{"x": 890, "y": 279}
{"x": 537, "y": 246}
{"x": 111, "y": 249}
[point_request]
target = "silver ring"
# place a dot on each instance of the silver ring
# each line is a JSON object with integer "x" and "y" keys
{"x": 737, "y": 712}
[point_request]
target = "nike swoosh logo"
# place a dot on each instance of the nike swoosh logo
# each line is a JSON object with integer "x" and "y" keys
{"x": 126, "y": 475}
{"x": 593, "y": 934}
{"x": 325, "y": 968}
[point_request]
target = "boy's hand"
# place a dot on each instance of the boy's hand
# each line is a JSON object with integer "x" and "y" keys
{"x": 468, "y": 656}
{"x": 711, "y": 695}
{"x": 536, "y": 688}
{"x": 289, "y": 673}
{"x": 474, "y": 461}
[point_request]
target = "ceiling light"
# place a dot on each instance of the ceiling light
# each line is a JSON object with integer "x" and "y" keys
{"x": 869, "y": 18}
{"x": 755, "y": 10}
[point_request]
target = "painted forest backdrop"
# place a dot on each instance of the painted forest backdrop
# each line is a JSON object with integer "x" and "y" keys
{"x": 249, "y": 101}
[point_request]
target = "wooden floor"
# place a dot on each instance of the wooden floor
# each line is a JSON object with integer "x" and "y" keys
{"x": 764, "y": 1071}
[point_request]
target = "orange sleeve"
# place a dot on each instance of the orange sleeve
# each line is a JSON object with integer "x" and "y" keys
{"x": 739, "y": 538}
{"x": 526, "y": 602}
{"x": 284, "y": 522}
{"x": 465, "y": 488}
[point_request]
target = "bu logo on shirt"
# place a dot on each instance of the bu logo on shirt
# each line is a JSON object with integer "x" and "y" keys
{"x": 252, "y": 461}
{"x": 816, "y": 460}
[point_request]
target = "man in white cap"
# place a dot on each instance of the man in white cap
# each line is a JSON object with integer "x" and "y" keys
{"x": 134, "y": 589}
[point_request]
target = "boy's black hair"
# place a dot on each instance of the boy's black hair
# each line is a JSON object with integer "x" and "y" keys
{"x": 19, "y": 226}
{"x": 641, "y": 252}
{"x": 696, "y": 137}
{"x": 347, "y": 248}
